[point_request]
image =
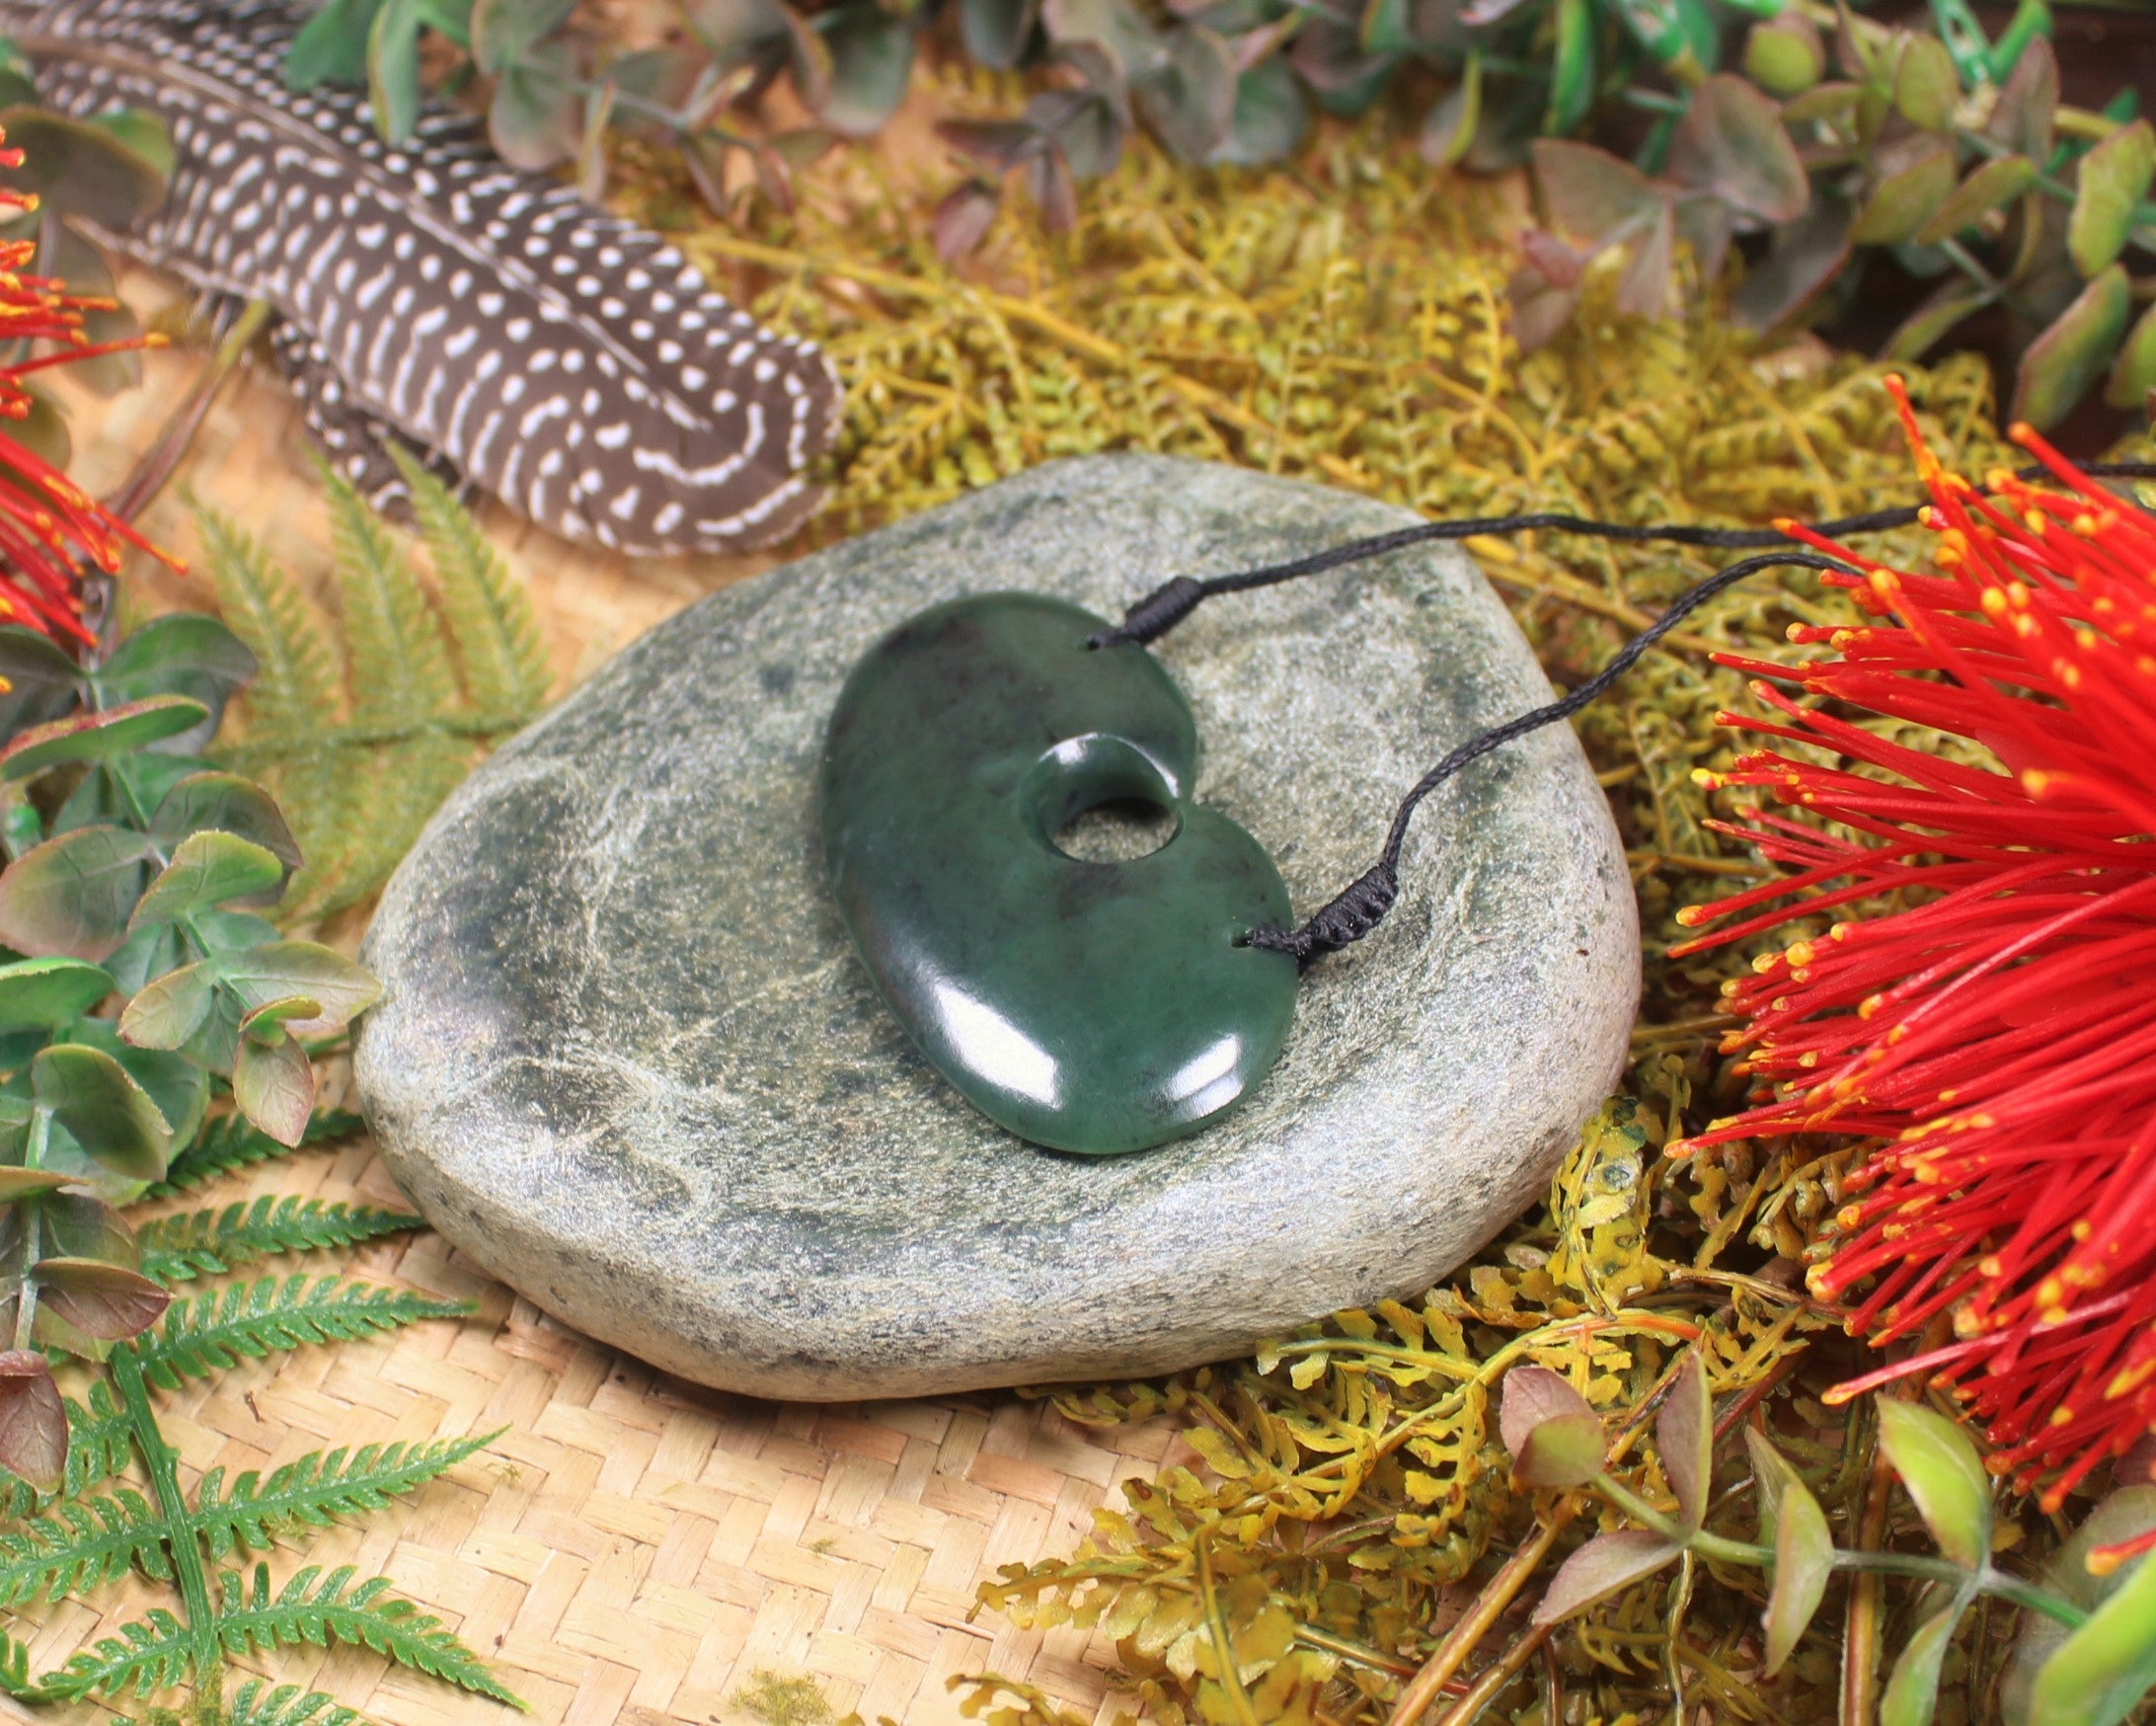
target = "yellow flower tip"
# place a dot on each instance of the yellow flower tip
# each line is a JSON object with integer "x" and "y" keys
{"x": 1991, "y": 1267}
{"x": 1993, "y": 601}
{"x": 1808, "y": 1060}
{"x": 1765, "y": 962}
{"x": 1799, "y": 974}
{"x": 1882, "y": 583}
{"x": 1688, "y": 916}
{"x": 1800, "y": 953}
{"x": 1835, "y": 1395}
{"x": 2062, "y": 1416}
{"x": 2068, "y": 674}
{"x": 1679, "y": 1147}
{"x": 2017, "y": 594}
{"x": 1795, "y": 633}
{"x": 155, "y": 339}
{"x": 1980, "y": 1122}
{"x": 2020, "y": 433}
{"x": 2085, "y": 525}
{"x": 1896, "y": 1035}
{"x": 2102, "y": 1561}
{"x": 1779, "y": 1004}
{"x": 29, "y": 201}
{"x": 2081, "y": 1231}
{"x": 1950, "y": 1094}
{"x": 1732, "y": 1042}
{"x": 1783, "y": 523}
{"x": 1847, "y": 1217}
{"x": 2036, "y": 781}
{"x": 1707, "y": 779}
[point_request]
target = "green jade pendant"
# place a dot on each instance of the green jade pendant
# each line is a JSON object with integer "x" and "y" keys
{"x": 1096, "y": 1007}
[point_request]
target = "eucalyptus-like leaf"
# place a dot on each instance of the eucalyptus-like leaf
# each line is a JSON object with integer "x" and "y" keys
{"x": 284, "y": 969}
{"x": 964, "y": 217}
{"x": 1532, "y": 1395}
{"x": 2115, "y": 179}
{"x": 18, "y": 1183}
{"x": 1784, "y": 55}
{"x": 1269, "y": 116}
{"x": 503, "y": 30}
{"x": 2104, "y": 1668}
{"x": 1645, "y": 282}
{"x": 1601, "y": 1568}
{"x": 272, "y": 1083}
{"x": 1915, "y": 186}
{"x": 170, "y": 1010}
{"x": 1571, "y": 67}
{"x": 2120, "y": 1516}
{"x": 224, "y": 803}
{"x": 43, "y": 680}
{"x": 536, "y": 116}
{"x": 871, "y": 59}
{"x": 210, "y": 869}
{"x": 1448, "y": 130}
{"x": 1190, "y": 100}
{"x": 2021, "y": 117}
{"x": 997, "y": 33}
{"x": 1684, "y": 1429}
{"x": 33, "y": 1420}
{"x": 183, "y": 653}
{"x": 1926, "y": 85}
{"x": 1732, "y": 142}
{"x": 1942, "y": 1474}
{"x": 106, "y": 1300}
{"x": 330, "y": 47}
{"x": 74, "y": 892}
{"x": 392, "y": 68}
{"x": 2133, "y": 374}
{"x": 41, "y": 993}
{"x": 1911, "y": 1698}
{"x": 1991, "y": 185}
{"x": 1803, "y": 1550}
{"x": 177, "y": 1084}
{"x": 1589, "y": 193}
{"x": 1943, "y": 307}
{"x": 109, "y": 1117}
{"x": 2061, "y": 366}
{"x": 100, "y": 735}
{"x": 79, "y": 169}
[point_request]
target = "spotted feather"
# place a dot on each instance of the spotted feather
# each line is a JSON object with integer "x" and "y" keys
{"x": 572, "y": 363}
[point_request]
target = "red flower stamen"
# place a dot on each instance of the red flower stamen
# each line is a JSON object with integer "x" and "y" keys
{"x": 1995, "y": 1027}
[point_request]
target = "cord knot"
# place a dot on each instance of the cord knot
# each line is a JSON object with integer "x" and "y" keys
{"x": 1351, "y": 913}
{"x": 1154, "y": 615}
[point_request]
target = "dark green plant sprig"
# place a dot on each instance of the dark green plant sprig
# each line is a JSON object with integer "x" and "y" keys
{"x": 2088, "y": 1648}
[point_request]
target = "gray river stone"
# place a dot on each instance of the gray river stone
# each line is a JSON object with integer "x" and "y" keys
{"x": 627, "y": 1059}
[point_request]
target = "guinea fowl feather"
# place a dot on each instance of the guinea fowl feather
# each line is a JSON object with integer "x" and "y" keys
{"x": 568, "y": 362}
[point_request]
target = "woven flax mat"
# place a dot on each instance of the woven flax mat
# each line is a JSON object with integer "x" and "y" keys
{"x": 632, "y": 1548}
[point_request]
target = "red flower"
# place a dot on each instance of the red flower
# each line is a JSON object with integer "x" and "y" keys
{"x": 46, "y": 521}
{"x": 1996, "y": 1028}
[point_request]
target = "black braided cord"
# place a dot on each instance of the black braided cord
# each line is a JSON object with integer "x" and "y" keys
{"x": 1360, "y": 906}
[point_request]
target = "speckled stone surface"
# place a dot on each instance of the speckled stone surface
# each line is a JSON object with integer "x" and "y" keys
{"x": 627, "y": 1059}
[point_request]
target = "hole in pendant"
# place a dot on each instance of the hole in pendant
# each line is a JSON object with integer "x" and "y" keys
{"x": 1119, "y": 830}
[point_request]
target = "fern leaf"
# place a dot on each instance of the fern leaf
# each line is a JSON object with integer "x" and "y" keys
{"x": 177, "y": 1249}
{"x": 317, "y": 1490}
{"x": 153, "y": 1653}
{"x": 490, "y": 622}
{"x": 232, "y": 1142}
{"x": 255, "y": 1704}
{"x": 400, "y": 665}
{"x": 80, "y": 1543}
{"x": 248, "y": 1320}
{"x": 249, "y": 1621}
{"x": 293, "y": 696}
{"x": 15, "y": 1677}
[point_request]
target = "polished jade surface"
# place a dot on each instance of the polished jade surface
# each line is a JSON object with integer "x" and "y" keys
{"x": 1096, "y": 1007}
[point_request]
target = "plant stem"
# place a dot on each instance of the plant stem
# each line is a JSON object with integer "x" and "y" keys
{"x": 1497, "y": 1594}
{"x": 33, "y": 1215}
{"x": 179, "y": 1538}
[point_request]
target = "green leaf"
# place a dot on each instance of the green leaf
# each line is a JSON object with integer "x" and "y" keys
{"x": 536, "y": 118}
{"x": 2103, "y": 1676}
{"x": 1448, "y": 131}
{"x": 223, "y": 802}
{"x": 208, "y": 870}
{"x": 505, "y": 31}
{"x": 1571, "y": 67}
{"x": 43, "y": 682}
{"x": 177, "y": 1085}
{"x": 1991, "y": 185}
{"x": 283, "y": 970}
{"x": 2021, "y": 119}
{"x": 2133, "y": 375}
{"x": 871, "y": 59}
{"x": 41, "y": 993}
{"x": 1733, "y": 143}
{"x": 152, "y": 1653}
{"x": 1589, "y": 193}
{"x": 171, "y": 1010}
{"x": 2115, "y": 178}
{"x": 1190, "y": 100}
{"x": 1601, "y": 1568}
{"x": 1684, "y": 1431}
{"x": 1926, "y": 85}
{"x": 1269, "y": 116}
{"x": 997, "y": 33}
{"x": 330, "y": 47}
{"x": 1553, "y": 1432}
{"x": 109, "y": 1302}
{"x": 272, "y": 1086}
{"x": 393, "y": 69}
{"x": 100, "y": 735}
{"x": 183, "y": 653}
{"x": 316, "y": 1491}
{"x": 1803, "y": 1550}
{"x": 103, "y": 1109}
{"x": 215, "y": 1331}
{"x": 1785, "y": 57}
{"x": 177, "y": 1249}
{"x": 2058, "y": 369}
{"x": 1910, "y": 194}
{"x": 307, "y": 1614}
{"x": 254, "y": 1703}
{"x": 1944, "y": 1476}
{"x": 1946, "y": 306}
{"x": 1912, "y": 1688}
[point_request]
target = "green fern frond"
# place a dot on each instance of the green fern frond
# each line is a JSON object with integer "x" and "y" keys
{"x": 152, "y": 1653}
{"x": 232, "y": 1142}
{"x": 248, "y": 1320}
{"x": 255, "y": 1704}
{"x": 177, "y": 1249}
{"x": 400, "y": 664}
{"x": 294, "y": 691}
{"x": 249, "y": 1621}
{"x": 80, "y": 1543}
{"x": 15, "y": 1677}
{"x": 316, "y": 1491}
{"x": 490, "y": 622}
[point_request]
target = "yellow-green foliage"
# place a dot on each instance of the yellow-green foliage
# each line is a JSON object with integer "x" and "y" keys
{"x": 359, "y": 753}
